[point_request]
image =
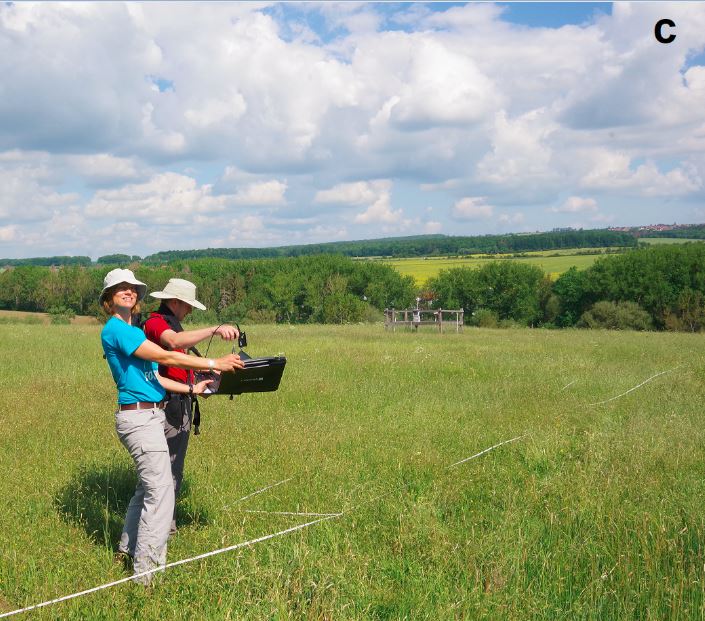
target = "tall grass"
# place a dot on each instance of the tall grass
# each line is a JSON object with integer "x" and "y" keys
{"x": 595, "y": 514}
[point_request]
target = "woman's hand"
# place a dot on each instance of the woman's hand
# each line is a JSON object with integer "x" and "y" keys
{"x": 231, "y": 362}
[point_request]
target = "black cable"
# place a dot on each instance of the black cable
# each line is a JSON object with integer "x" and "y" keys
{"x": 211, "y": 339}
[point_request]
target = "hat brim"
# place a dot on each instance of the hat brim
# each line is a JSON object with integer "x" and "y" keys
{"x": 162, "y": 295}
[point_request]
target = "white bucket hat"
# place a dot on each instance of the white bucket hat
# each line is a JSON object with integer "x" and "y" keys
{"x": 116, "y": 276}
{"x": 179, "y": 289}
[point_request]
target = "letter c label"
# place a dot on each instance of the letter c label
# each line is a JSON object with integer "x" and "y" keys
{"x": 658, "y": 30}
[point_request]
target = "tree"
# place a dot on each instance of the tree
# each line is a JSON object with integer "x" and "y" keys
{"x": 510, "y": 290}
{"x": 689, "y": 312}
{"x": 338, "y": 305}
{"x": 616, "y": 316}
{"x": 573, "y": 297}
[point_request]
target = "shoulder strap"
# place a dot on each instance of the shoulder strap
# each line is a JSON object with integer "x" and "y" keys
{"x": 165, "y": 313}
{"x": 137, "y": 321}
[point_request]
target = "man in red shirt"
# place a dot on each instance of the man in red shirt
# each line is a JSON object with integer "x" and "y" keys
{"x": 163, "y": 327}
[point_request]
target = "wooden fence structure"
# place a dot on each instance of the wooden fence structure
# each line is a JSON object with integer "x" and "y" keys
{"x": 413, "y": 318}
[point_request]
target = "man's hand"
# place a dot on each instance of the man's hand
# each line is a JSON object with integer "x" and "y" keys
{"x": 227, "y": 333}
{"x": 231, "y": 362}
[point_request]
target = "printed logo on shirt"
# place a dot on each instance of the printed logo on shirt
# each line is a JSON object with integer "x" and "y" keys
{"x": 149, "y": 372}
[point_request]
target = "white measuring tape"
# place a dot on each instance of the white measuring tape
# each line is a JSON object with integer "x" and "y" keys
{"x": 487, "y": 450}
{"x": 259, "y": 491}
{"x": 635, "y": 387}
{"x": 236, "y": 546}
{"x": 174, "y": 564}
{"x": 291, "y": 513}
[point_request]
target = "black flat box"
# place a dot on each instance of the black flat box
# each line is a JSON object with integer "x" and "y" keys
{"x": 259, "y": 375}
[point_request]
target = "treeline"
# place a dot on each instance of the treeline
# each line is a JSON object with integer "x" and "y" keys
{"x": 661, "y": 287}
{"x": 656, "y": 287}
{"x": 423, "y": 245}
{"x": 118, "y": 259}
{"x": 47, "y": 261}
{"x": 320, "y": 289}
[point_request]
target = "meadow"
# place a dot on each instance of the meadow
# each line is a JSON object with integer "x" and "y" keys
{"x": 594, "y": 513}
{"x": 553, "y": 262}
{"x": 659, "y": 241}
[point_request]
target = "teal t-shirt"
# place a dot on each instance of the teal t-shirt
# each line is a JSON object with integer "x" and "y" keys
{"x": 135, "y": 378}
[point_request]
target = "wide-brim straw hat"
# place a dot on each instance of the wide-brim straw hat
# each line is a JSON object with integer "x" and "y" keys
{"x": 116, "y": 276}
{"x": 179, "y": 289}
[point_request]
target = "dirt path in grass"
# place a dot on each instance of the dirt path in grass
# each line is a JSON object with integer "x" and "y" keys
{"x": 45, "y": 318}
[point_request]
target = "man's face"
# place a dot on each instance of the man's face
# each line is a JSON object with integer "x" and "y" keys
{"x": 181, "y": 309}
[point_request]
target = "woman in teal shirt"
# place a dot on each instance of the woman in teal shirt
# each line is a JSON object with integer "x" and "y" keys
{"x": 139, "y": 420}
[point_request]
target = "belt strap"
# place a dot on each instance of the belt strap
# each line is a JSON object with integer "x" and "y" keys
{"x": 141, "y": 405}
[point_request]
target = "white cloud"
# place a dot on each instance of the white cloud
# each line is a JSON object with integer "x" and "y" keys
{"x": 448, "y": 184}
{"x": 262, "y": 193}
{"x": 29, "y": 193}
{"x": 511, "y": 219}
{"x": 358, "y": 18}
{"x": 519, "y": 151}
{"x": 613, "y": 171}
{"x": 380, "y": 211}
{"x": 472, "y": 208}
{"x": 357, "y": 193}
{"x": 375, "y": 194}
{"x": 576, "y": 204}
{"x": 65, "y": 88}
{"x": 253, "y": 230}
{"x": 442, "y": 86}
{"x": 68, "y": 226}
{"x": 602, "y": 218}
{"x": 214, "y": 112}
{"x": 8, "y": 233}
{"x": 695, "y": 79}
{"x": 326, "y": 233}
{"x": 476, "y": 17}
{"x": 167, "y": 198}
{"x": 458, "y": 102}
{"x": 103, "y": 168}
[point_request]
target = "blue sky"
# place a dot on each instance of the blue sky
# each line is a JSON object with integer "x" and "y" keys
{"x": 259, "y": 124}
{"x": 554, "y": 14}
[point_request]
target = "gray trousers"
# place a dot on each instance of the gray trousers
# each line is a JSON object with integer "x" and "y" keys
{"x": 151, "y": 508}
{"x": 177, "y": 425}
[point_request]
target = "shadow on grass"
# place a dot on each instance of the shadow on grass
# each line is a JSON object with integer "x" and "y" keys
{"x": 96, "y": 499}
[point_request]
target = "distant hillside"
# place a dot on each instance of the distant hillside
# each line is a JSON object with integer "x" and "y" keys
{"x": 420, "y": 245}
{"x": 413, "y": 246}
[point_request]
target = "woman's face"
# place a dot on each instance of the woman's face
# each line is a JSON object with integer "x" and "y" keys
{"x": 125, "y": 295}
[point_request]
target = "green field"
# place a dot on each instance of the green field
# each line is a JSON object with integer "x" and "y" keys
{"x": 596, "y": 513}
{"x": 553, "y": 263}
{"x": 667, "y": 240}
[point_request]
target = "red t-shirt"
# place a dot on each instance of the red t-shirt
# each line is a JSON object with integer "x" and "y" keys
{"x": 153, "y": 328}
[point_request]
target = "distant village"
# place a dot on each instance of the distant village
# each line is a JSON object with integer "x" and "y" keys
{"x": 651, "y": 228}
{"x": 635, "y": 230}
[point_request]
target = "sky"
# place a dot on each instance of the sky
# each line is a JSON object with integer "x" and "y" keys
{"x": 140, "y": 127}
